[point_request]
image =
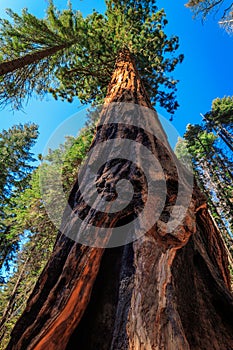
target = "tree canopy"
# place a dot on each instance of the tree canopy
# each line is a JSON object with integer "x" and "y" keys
{"x": 32, "y": 50}
{"x": 86, "y": 49}
{"x": 15, "y": 168}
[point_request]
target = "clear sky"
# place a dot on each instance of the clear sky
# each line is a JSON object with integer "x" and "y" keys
{"x": 206, "y": 73}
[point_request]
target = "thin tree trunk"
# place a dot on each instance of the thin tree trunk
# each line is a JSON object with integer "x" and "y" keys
{"x": 217, "y": 176}
{"x": 209, "y": 154}
{"x": 17, "y": 63}
{"x": 222, "y": 132}
{"x": 164, "y": 291}
{"x": 5, "y": 248}
{"x": 10, "y": 304}
{"x": 225, "y": 138}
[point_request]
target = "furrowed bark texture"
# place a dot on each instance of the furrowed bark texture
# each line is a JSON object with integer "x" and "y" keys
{"x": 164, "y": 291}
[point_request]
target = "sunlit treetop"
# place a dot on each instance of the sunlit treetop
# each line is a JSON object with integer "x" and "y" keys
{"x": 86, "y": 52}
{"x": 222, "y": 110}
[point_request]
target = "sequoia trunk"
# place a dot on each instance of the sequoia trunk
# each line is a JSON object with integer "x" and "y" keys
{"x": 164, "y": 291}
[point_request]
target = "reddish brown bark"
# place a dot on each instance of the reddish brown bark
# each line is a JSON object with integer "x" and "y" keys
{"x": 21, "y": 62}
{"x": 164, "y": 291}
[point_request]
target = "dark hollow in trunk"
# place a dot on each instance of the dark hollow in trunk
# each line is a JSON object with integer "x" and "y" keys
{"x": 99, "y": 321}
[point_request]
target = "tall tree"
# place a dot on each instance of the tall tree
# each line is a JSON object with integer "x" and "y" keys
{"x": 220, "y": 119}
{"x": 15, "y": 168}
{"x": 211, "y": 147}
{"x": 33, "y": 49}
{"x": 214, "y": 175}
{"x": 84, "y": 66}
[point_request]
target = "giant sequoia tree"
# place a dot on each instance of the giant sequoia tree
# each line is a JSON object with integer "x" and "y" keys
{"x": 167, "y": 289}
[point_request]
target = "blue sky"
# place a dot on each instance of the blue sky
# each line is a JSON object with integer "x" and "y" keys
{"x": 205, "y": 74}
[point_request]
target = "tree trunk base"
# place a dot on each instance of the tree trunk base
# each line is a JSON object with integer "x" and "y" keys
{"x": 174, "y": 299}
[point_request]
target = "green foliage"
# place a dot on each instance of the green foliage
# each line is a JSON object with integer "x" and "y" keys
{"x": 211, "y": 147}
{"x": 74, "y": 155}
{"x": 222, "y": 111}
{"x": 213, "y": 170}
{"x": 183, "y": 154}
{"x": 29, "y": 210}
{"x": 196, "y": 134}
{"x": 138, "y": 25}
{"x": 25, "y": 35}
{"x": 83, "y": 69}
{"x": 220, "y": 119}
{"x": 15, "y": 145}
{"x": 38, "y": 231}
{"x": 15, "y": 156}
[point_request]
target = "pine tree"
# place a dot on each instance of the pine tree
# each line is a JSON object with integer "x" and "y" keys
{"x": 213, "y": 172}
{"x": 15, "y": 168}
{"x": 86, "y": 52}
{"x": 220, "y": 119}
{"x": 210, "y": 145}
{"x": 37, "y": 232}
{"x": 33, "y": 50}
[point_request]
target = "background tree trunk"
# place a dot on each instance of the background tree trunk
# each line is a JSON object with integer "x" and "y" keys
{"x": 164, "y": 291}
{"x": 18, "y": 63}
